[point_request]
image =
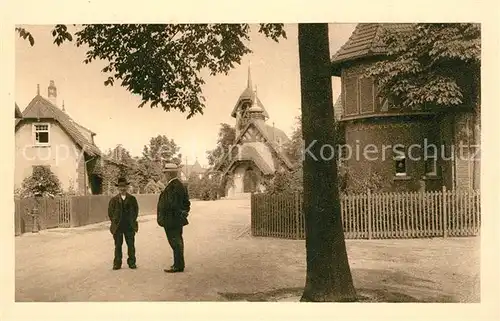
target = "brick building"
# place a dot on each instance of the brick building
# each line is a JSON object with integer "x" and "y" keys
{"x": 370, "y": 120}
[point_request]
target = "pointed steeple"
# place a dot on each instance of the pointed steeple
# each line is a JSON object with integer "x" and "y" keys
{"x": 249, "y": 81}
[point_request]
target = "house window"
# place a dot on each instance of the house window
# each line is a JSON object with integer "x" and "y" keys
{"x": 41, "y": 131}
{"x": 431, "y": 163}
{"x": 384, "y": 104}
{"x": 400, "y": 165}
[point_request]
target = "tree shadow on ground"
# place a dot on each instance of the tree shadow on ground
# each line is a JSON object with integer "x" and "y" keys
{"x": 382, "y": 286}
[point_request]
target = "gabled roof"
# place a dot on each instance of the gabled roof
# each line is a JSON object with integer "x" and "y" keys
{"x": 274, "y": 133}
{"x": 41, "y": 108}
{"x": 17, "y": 112}
{"x": 268, "y": 132}
{"x": 248, "y": 152}
{"x": 195, "y": 168}
{"x": 365, "y": 41}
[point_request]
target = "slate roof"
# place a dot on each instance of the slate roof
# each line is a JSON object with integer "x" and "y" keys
{"x": 270, "y": 134}
{"x": 17, "y": 112}
{"x": 365, "y": 41}
{"x": 249, "y": 152}
{"x": 41, "y": 108}
{"x": 273, "y": 133}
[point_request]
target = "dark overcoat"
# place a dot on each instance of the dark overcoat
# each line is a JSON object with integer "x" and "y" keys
{"x": 123, "y": 213}
{"x": 173, "y": 206}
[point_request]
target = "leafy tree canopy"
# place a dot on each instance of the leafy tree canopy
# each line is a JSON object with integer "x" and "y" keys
{"x": 162, "y": 62}
{"x": 161, "y": 149}
{"x": 430, "y": 65}
{"x": 43, "y": 182}
{"x": 227, "y": 135}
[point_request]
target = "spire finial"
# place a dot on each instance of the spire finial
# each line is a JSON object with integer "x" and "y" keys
{"x": 63, "y": 109}
{"x": 38, "y": 89}
{"x": 249, "y": 81}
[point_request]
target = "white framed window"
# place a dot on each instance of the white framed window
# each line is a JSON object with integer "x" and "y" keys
{"x": 400, "y": 165}
{"x": 41, "y": 133}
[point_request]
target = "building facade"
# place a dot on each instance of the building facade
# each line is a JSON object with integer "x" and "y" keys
{"x": 258, "y": 150}
{"x": 47, "y": 136}
{"x": 401, "y": 142}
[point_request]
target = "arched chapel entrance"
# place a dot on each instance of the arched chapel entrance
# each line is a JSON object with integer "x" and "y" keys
{"x": 250, "y": 180}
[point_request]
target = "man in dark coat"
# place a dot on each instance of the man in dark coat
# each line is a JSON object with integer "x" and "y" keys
{"x": 172, "y": 212}
{"x": 123, "y": 211}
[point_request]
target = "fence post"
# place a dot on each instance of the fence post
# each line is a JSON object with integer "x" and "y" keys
{"x": 297, "y": 218}
{"x": 445, "y": 214}
{"x": 72, "y": 215}
{"x": 369, "y": 214}
{"x": 252, "y": 214}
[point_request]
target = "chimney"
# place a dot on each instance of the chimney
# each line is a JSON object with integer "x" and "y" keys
{"x": 52, "y": 93}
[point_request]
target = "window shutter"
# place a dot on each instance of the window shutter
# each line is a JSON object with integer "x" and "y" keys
{"x": 351, "y": 96}
{"x": 366, "y": 95}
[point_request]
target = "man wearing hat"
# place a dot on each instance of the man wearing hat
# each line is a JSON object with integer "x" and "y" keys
{"x": 123, "y": 211}
{"x": 172, "y": 211}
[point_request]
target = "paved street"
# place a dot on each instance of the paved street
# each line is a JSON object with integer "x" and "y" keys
{"x": 223, "y": 262}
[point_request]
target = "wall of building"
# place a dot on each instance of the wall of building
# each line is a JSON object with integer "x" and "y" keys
{"x": 385, "y": 134}
{"x": 466, "y": 144}
{"x": 63, "y": 156}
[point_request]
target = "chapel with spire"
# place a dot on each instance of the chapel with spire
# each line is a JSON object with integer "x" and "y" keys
{"x": 258, "y": 150}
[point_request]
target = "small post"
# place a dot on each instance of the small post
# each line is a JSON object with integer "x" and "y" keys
{"x": 369, "y": 214}
{"x": 73, "y": 222}
{"x": 34, "y": 214}
{"x": 445, "y": 213}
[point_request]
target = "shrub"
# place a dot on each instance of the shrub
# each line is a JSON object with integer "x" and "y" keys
{"x": 43, "y": 182}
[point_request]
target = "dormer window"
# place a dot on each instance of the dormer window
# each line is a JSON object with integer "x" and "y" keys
{"x": 42, "y": 133}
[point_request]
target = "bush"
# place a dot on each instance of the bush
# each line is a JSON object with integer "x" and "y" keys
{"x": 43, "y": 182}
{"x": 204, "y": 189}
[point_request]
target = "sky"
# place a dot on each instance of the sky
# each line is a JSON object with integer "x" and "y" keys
{"x": 113, "y": 113}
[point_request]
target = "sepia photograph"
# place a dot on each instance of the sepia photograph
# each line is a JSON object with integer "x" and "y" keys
{"x": 253, "y": 161}
{"x": 248, "y": 162}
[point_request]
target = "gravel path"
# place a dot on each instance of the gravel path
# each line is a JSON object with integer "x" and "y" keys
{"x": 223, "y": 262}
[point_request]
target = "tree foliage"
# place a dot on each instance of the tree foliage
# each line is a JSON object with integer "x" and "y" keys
{"x": 430, "y": 65}
{"x": 295, "y": 147}
{"x": 162, "y": 63}
{"x": 129, "y": 168}
{"x": 226, "y": 137}
{"x": 205, "y": 188}
{"x": 161, "y": 149}
{"x": 42, "y": 182}
{"x": 293, "y": 180}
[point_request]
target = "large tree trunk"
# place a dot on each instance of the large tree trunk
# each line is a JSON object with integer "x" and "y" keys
{"x": 328, "y": 273}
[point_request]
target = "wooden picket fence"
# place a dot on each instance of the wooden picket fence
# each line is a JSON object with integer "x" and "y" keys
{"x": 52, "y": 213}
{"x": 70, "y": 211}
{"x": 375, "y": 215}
